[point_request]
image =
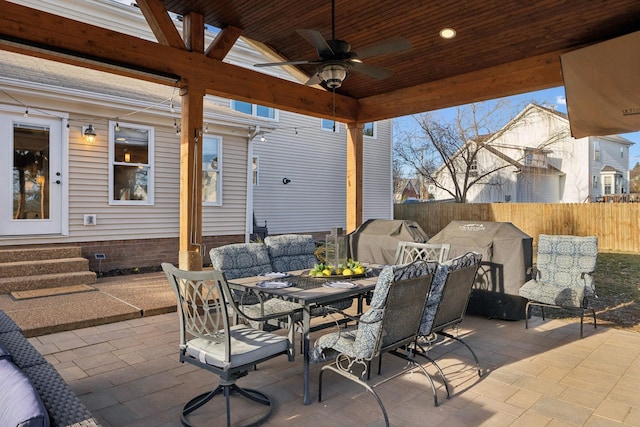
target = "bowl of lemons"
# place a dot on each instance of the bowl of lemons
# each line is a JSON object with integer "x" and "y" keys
{"x": 350, "y": 269}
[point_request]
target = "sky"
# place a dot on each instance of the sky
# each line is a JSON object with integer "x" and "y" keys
{"x": 553, "y": 98}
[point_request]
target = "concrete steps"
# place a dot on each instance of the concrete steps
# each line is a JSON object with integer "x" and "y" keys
{"x": 41, "y": 268}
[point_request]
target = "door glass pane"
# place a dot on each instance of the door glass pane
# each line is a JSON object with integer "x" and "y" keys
{"x": 30, "y": 172}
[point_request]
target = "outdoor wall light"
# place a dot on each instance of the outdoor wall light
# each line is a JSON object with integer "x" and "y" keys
{"x": 90, "y": 134}
{"x": 285, "y": 181}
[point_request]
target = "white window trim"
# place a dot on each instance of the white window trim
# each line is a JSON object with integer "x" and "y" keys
{"x": 220, "y": 163}
{"x": 254, "y": 111}
{"x": 151, "y": 156}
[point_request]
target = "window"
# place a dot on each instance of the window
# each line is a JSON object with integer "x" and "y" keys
{"x": 473, "y": 168}
{"x": 596, "y": 151}
{"x": 255, "y": 170}
{"x": 211, "y": 170}
{"x": 131, "y": 170}
{"x": 254, "y": 109}
{"x": 607, "y": 185}
{"x": 622, "y": 152}
{"x": 369, "y": 129}
{"x": 535, "y": 159}
{"x": 594, "y": 181}
{"x": 329, "y": 125}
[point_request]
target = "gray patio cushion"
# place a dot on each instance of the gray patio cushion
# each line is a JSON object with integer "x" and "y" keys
{"x": 247, "y": 345}
{"x": 20, "y": 405}
{"x": 437, "y": 287}
{"x": 290, "y": 252}
{"x": 241, "y": 260}
{"x": 560, "y": 264}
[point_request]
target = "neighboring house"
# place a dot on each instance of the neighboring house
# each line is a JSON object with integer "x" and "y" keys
{"x": 119, "y": 193}
{"x": 408, "y": 189}
{"x": 536, "y": 160}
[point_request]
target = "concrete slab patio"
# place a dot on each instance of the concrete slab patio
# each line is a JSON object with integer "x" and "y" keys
{"x": 127, "y": 372}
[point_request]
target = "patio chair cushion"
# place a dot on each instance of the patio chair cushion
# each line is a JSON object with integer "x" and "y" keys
{"x": 241, "y": 260}
{"x": 437, "y": 288}
{"x": 290, "y": 252}
{"x": 247, "y": 345}
{"x": 20, "y": 404}
{"x": 561, "y": 262}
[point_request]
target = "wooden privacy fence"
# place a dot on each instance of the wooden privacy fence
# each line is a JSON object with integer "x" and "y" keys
{"x": 615, "y": 224}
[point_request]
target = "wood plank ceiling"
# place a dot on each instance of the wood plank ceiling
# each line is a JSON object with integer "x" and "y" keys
{"x": 502, "y": 47}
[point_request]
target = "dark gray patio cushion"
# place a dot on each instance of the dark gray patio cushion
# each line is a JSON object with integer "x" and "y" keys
{"x": 4, "y": 352}
{"x": 241, "y": 260}
{"x": 290, "y": 252}
{"x": 20, "y": 404}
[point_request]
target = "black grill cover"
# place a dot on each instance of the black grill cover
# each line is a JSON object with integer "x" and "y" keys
{"x": 376, "y": 240}
{"x": 507, "y": 255}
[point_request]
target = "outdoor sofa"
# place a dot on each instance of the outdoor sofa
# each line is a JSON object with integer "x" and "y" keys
{"x": 33, "y": 394}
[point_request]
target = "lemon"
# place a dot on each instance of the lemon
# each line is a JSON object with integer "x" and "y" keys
{"x": 326, "y": 272}
{"x": 358, "y": 270}
{"x": 347, "y": 272}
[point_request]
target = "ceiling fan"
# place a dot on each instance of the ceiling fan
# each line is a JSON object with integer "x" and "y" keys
{"x": 336, "y": 59}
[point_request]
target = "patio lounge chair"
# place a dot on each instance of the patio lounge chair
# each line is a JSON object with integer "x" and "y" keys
{"x": 563, "y": 275}
{"x": 391, "y": 322}
{"x": 208, "y": 340}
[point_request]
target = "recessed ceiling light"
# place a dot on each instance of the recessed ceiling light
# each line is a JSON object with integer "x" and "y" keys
{"x": 447, "y": 33}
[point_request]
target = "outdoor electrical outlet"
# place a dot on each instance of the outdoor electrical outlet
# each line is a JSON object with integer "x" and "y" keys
{"x": 90, "y": 219}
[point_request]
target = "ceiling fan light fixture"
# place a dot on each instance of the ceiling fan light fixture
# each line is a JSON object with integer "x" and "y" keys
{"x": 333, "y": 74}
{"x": 447, "y": 33}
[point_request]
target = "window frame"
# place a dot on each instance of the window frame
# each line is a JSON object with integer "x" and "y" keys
{"x": 333, "y": 129}
{"x": 254, "y": 110}
{"x": 219, "y": 170}
{"x": 149, "y": 165}
{"x": 374, "y": 130}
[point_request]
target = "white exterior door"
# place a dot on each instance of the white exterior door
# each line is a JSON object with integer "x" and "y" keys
{"x": 31, "y": 178}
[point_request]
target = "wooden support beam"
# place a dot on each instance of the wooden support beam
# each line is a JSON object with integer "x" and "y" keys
{"x": 37, "y": 33}
{"x": 527, "y": 75}
{"x": 222, "y": 44}
{"x": 160, "y": 23}
{"x": 191, "y": 124}
{"x": 355, "y": 151}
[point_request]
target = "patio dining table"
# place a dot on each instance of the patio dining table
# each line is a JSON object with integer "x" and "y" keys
{"x": 309, "y": 292}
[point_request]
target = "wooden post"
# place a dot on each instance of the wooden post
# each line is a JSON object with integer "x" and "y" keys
{"x": 192, "y": 102}
{"x": 354, "y": 175}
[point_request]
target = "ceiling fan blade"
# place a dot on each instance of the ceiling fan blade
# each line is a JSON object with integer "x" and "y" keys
{"x": 372, "y": 70}
{"x": 316, "y": 40}
{"x": 392, "y": 45}
{"x": 273, "y": 64}
{"x": 314, "y": 80}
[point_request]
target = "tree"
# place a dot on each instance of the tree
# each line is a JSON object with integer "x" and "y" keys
{"x": 445, "y": 153}
{"x": 634, "y": 179}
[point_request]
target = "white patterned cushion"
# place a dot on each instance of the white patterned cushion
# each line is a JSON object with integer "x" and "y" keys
{"x": 561, "y": 262}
